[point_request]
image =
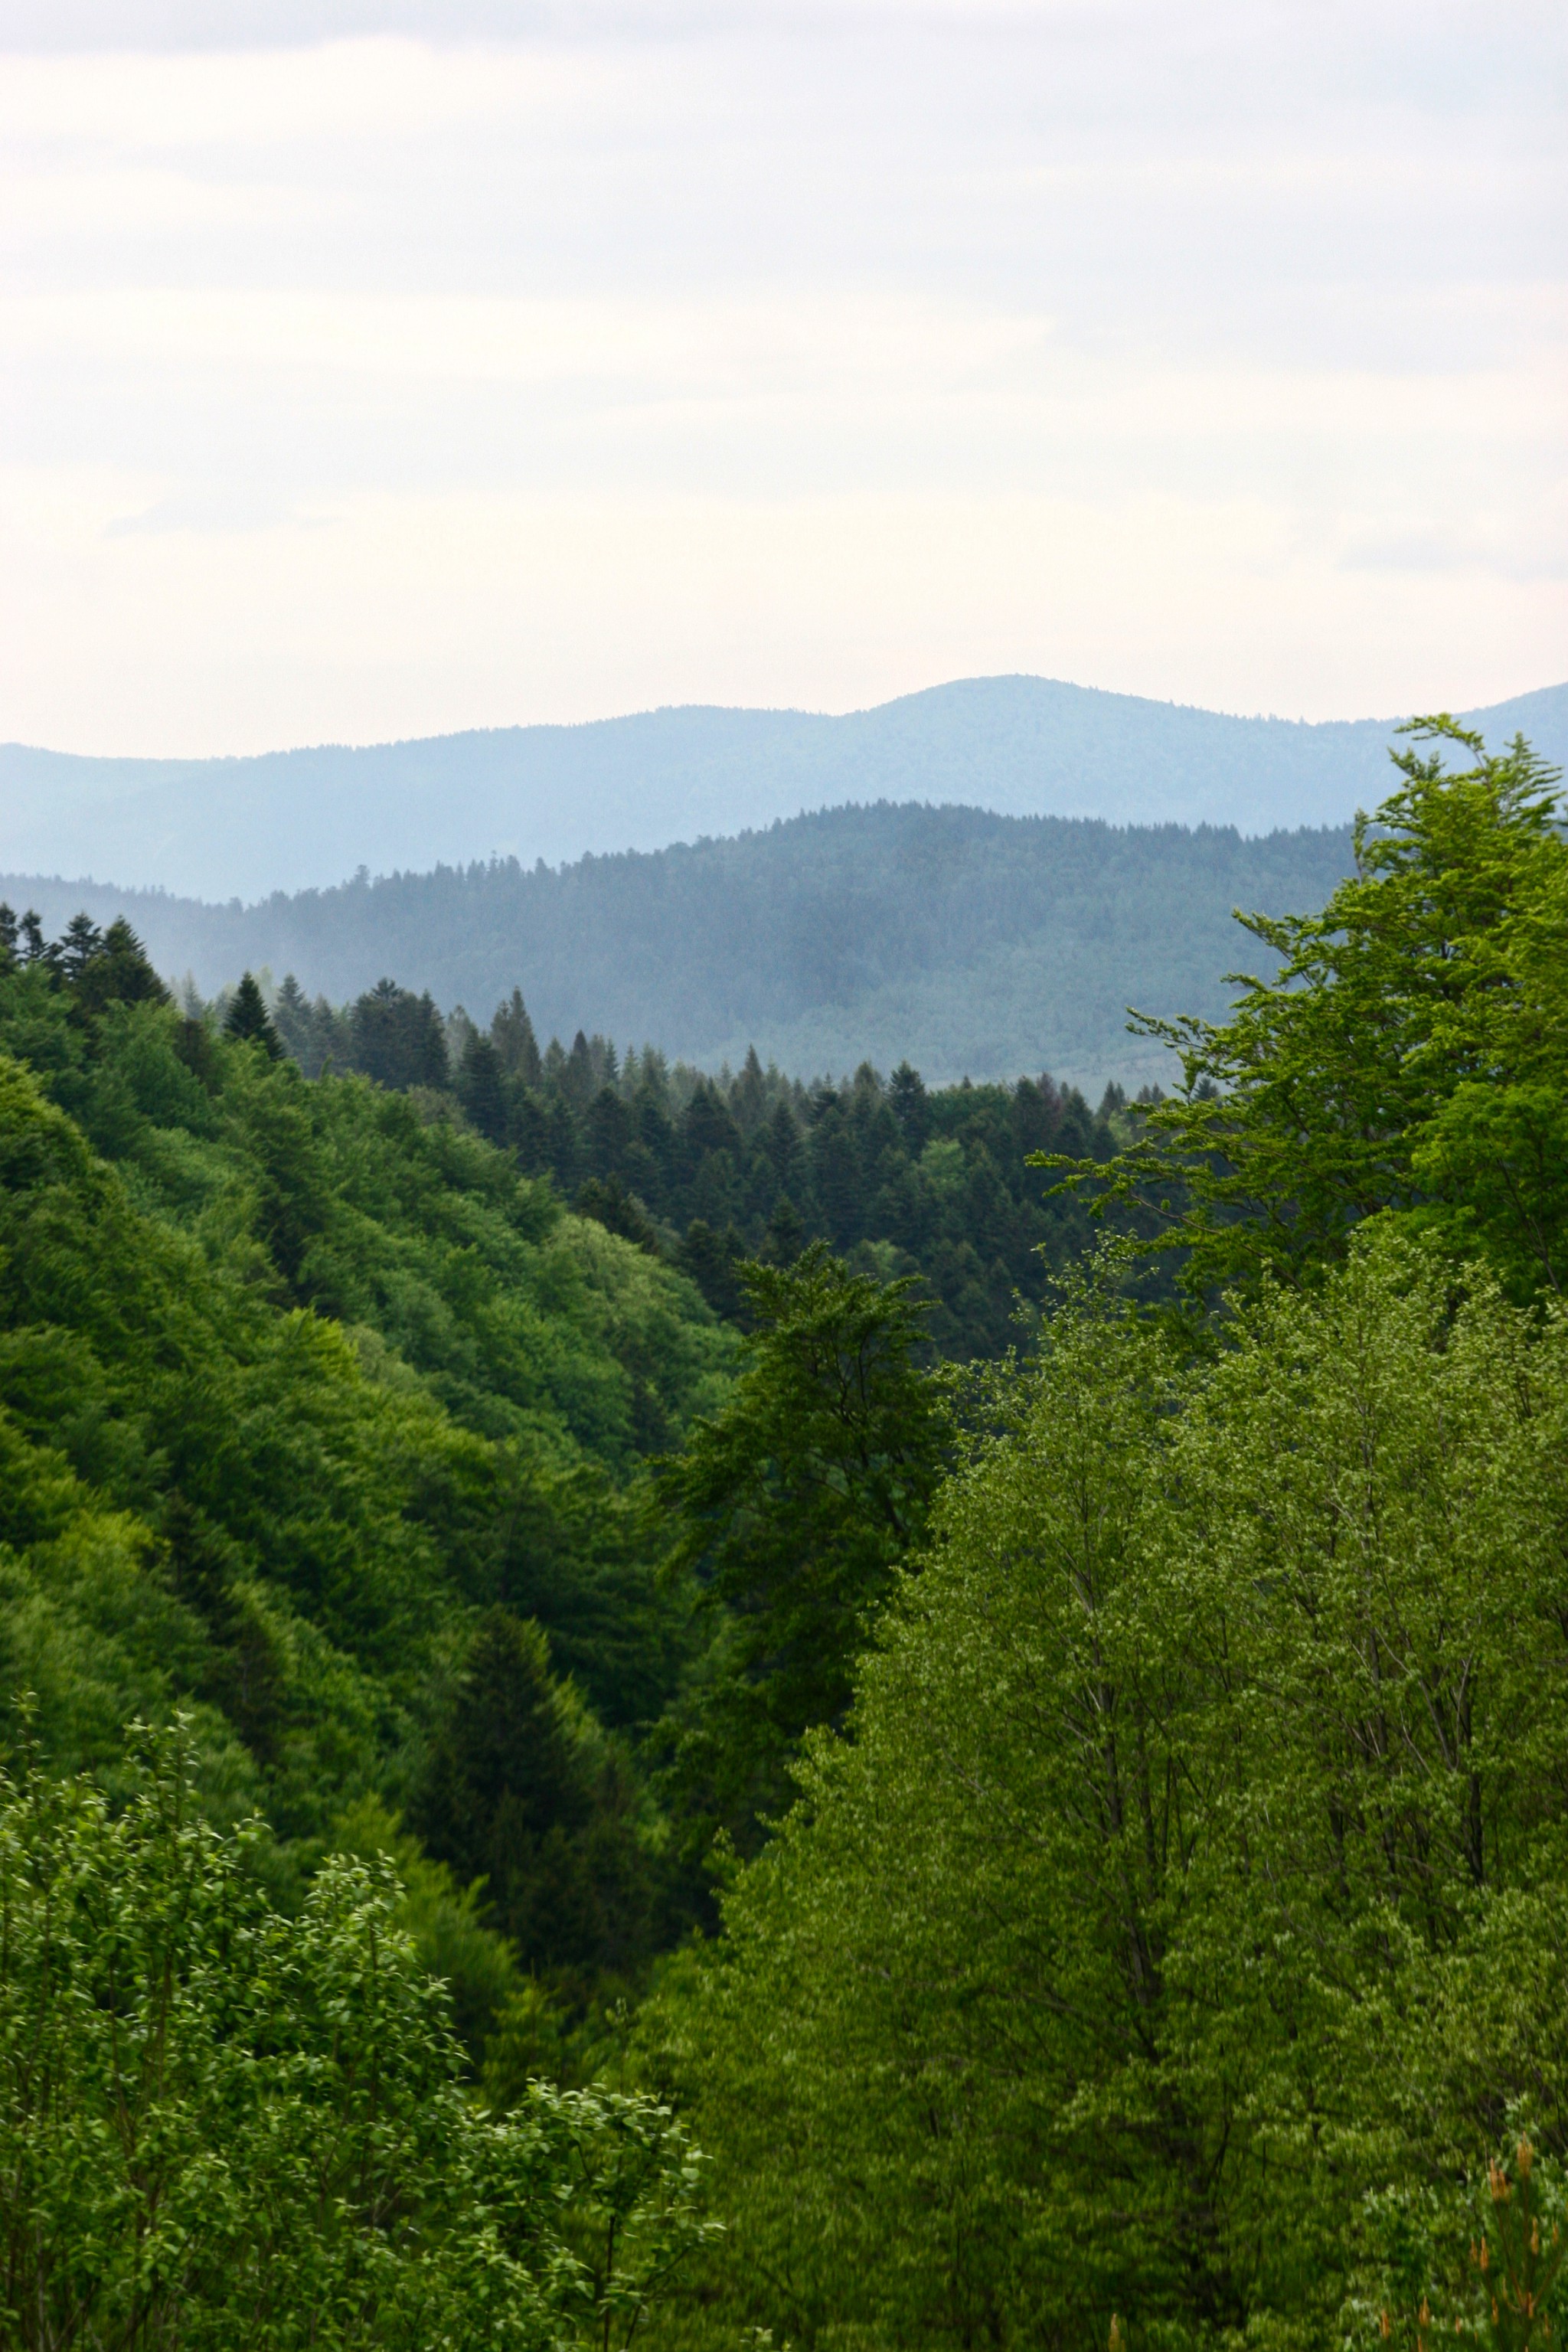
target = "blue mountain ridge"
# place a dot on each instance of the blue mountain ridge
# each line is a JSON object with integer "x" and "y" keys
{"x": 220, "y": 828}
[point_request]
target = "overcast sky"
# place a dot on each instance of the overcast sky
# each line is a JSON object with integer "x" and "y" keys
{"x": 372, "y": 370}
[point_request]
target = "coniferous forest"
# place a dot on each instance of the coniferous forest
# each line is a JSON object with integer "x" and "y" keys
{"x": 639, "y": 1703}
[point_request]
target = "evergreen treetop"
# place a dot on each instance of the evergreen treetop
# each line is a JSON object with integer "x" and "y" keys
{"x": 248, "y": 1019}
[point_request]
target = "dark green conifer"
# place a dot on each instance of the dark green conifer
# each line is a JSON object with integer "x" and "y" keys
{"x": 711, "y": 1261}
{"x": 397, "y": 1038}
{"x": 479, "y": 1086}
{"x": 748, "y": 1095}
{"x": 291, "y": 1018}
{"x": 511, "y": 1034}
{"x": 248, "y": 1019}
{"x": 512, "y": 1794}
{"x": 609, "y": 1202}
{"x": 911, "y": 1109}
{"x": 118, "y": 973}
{"x": 77, "y": 946}
{"x": 578, "y": 1076}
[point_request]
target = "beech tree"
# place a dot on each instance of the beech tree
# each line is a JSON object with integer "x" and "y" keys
{"x": 222, "y": 2125}
{"x": 1410, "y": 1055}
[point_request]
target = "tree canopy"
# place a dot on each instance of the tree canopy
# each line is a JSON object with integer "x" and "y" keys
{"x": 1412, "y": 1054}
{"x": 793, "y": 1509}
{"x": 221, "y": 2123}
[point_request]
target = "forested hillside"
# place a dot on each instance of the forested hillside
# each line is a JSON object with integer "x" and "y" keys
{"x": 300, "y": 1381}
{"x": 972, "y": 946}
{"x": 707, "y": 1170}
{"x": 1076, "y": 1838}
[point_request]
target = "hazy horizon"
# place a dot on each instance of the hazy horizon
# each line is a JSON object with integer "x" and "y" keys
{"x": 306, "y": 818}
{"x": 1387, "y": 718}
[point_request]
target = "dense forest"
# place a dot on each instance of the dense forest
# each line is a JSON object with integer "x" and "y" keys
{"x": 967, "y": 943}
{"x": 670, "y": 1790}
{"x": 706, "y": 1170}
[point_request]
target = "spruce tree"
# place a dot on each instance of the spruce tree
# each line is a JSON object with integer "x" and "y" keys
{"x": 397, "y": 1038}
{"x": 291, "y": 1017}
{"x": 911, "y": 1108}
{"x": 75, "y": 949}
{"x": 511, "y": 1034}
{"x": 479, "y": 1087}
{"x": 515, "y": 1792}
{"x": 118, "y": 973}
{"x": 248, "y": 1020}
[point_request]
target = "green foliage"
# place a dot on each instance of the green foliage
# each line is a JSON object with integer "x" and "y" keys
{"x": 1139, "y": 1791}
{"x": 295, "y": 1383}
{"x": 219, "y": 2124}
{"x": 1412, "y": 1056}
{"x": 793, "y": 1509}
{"x": 1196, "y": 1862}
{"x": 443, "y": 1918}
{"x": 1481, "y": 2259}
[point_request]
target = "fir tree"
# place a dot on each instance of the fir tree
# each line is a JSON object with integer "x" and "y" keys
{"x": 479, "y": 1087}
{"x": 911, "y": 1108}
{"x": 511, "y": 1794}
{"x": 118, "y": 973}
{"x": 75, "y": 949}
{"x": 246, "y": 1019}
{"x": 511, "y": 1034}
{"x": 398, "y": 1038}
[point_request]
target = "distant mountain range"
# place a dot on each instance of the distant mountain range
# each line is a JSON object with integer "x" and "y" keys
{"x": 976, "y": 945}
{"x": 223, "y": 828}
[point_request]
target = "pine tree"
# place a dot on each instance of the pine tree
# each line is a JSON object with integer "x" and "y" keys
{"x": 75, "y": 949}
{"x": 118, "y": 973}
{"x": 291, "y": 1016}
{"x": 512, "y": 1794}
{"x": 511, "y": 1034}
{"x": 398, "y": 1039}
{"x": 479, "y": 1087}
{"x": 248, "y": 1020}
{"x": 911, "y": 1108}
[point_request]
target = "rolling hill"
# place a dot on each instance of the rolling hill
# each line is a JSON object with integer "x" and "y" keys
{"x": 976, "y": 945}
{"x": 1017, "y": 746}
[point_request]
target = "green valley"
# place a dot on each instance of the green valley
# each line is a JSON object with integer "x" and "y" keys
{"x": 660, "y": 1703}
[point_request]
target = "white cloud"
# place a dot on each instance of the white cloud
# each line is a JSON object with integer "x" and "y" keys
{"x": 503, "y": 362}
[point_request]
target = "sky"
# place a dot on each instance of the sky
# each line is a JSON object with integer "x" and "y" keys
{"x": 374, "y": 368}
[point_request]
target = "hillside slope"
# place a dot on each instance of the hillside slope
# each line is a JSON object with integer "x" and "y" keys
{"x": 974, "y": 945}
{"x": 1018, "y": 746}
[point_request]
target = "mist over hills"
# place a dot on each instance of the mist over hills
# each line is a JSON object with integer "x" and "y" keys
{"x": 976, "y": 945}
{"x": 1016, "y": 746}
